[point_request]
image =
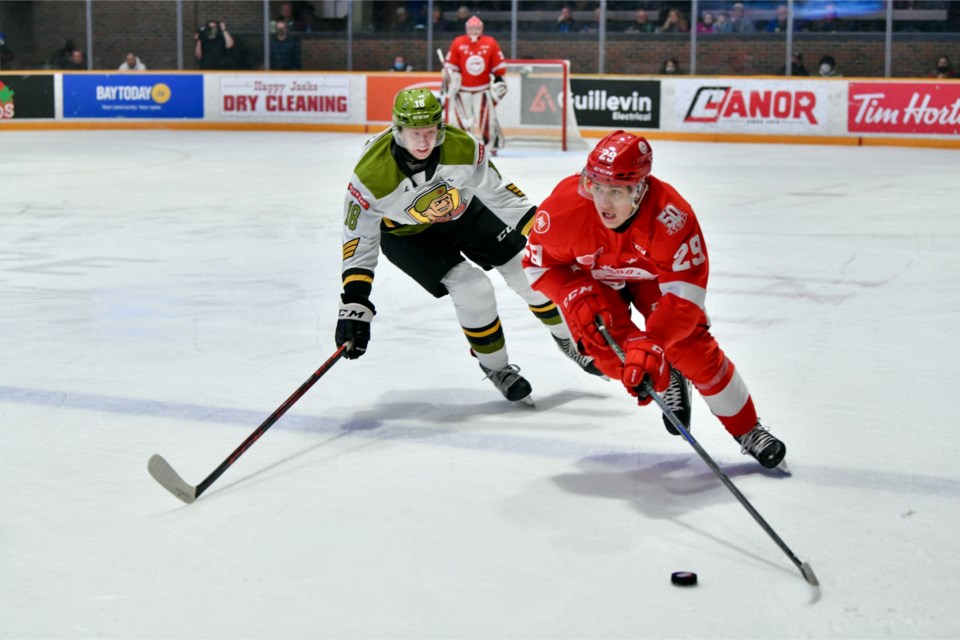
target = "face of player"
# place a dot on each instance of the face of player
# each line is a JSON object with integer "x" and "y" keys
{"x": 614, "y": 203}
{"x": 474, "y": 31}
{"x": 419, "y": 142}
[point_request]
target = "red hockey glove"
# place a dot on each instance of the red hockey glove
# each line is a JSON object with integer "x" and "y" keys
{"x": 645, "y": 361}
{"x": 582, "y": 303}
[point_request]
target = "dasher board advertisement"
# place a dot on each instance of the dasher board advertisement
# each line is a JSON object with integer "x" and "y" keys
{"x": 616, "y": 103}
{"x": 132, "y": 96}
{"x": 731, "y": 105}
{"x": 26, "y": 97}
{"x": 925, "y": 108}
{"x": 317, "y": 98}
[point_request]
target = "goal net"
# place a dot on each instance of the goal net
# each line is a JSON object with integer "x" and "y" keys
{"x": 538, "y": 107}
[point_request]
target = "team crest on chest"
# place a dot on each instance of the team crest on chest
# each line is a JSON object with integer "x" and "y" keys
{"x": 442, "y": 203}
{"x": 542, "y": 222}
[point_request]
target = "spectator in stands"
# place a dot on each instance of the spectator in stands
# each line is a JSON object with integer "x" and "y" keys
{"x": 593, "y": 27}
{"x": 778, "y": 24}
{"x": 214, "y": 46}
{"x": 944, "y": 68}
{"x": 670, "y": 67}
{"x": 565, "y": 21}
{"x": 439, "y": 23}
{"x": 706, "y": 23}
{"x": 6, "y": 53}
{"x": 307, "y": 18}
{"x": 827, "y": 67}
{"x": 61, "y": 57}
{"x": 284, "y": 49}
{"x": 829, "y": 22}
{"x": 797, "y": 67}
{"x": 402, "y": 21}
{"x": 722, "y": 23}
{"x": 675, "y": 22}
{"x": 641, "y": 23}
{"x": 739, "y": 22}
{"x": 289, "y": 17}
{"x": 132, "y": 63}
{"x": 460, "y": 23}
{"x": 400, "y": 64}
{"x": 75, "y": 61}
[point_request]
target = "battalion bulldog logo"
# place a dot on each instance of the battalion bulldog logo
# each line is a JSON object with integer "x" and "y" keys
{"x": 440, "y": 204}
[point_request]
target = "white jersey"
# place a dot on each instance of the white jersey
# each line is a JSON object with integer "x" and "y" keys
{"x": 382, "y": 198}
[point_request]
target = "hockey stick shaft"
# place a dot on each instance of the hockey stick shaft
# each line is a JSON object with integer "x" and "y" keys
{"x": 443, "y": 81}
{"x": 166, "y": 476}
{"x": 804, "y": 567}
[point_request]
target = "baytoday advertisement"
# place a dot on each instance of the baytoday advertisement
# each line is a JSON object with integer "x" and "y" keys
{"x": 145, "y": 95}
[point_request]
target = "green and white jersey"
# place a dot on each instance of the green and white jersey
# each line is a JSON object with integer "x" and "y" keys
{"x": 382, "y": 198}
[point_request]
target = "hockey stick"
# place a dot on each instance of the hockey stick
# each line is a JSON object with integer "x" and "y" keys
{"x": 804, "y": 567}
{"x": 443, "y": 81}
{"x": 495, "y": 132}
{"x": 170, "y": 480}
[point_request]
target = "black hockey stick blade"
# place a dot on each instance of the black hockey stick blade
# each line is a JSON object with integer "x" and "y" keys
{"x": 170, "y": 480}
{"x": 804, "y": 567}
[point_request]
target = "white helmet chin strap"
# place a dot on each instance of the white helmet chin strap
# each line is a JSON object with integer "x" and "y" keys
{"x": 642, "y": 189}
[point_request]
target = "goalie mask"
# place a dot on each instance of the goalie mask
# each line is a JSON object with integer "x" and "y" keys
{"x": 417, "y": 109}
{"x": 619, "y": 160}
{"x": 474, "y": 28}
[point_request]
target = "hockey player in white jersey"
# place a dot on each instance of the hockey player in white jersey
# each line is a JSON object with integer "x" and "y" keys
{"x": 429, "y": 198}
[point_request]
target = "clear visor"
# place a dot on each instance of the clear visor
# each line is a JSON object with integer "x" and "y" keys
{"x": 595, "y": 187}
{"x": 474, "y": 31}
{"x": 409, "y": 137}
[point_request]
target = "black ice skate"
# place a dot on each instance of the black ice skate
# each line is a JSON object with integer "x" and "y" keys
{"x": 763, "y": 446}
{"x": 584, "y": 362}
{"x": 511, "y": 384}
{"x": 677, "y": 397}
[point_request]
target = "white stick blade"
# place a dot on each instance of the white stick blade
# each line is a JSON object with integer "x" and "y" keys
{"x": 170, "y": 480}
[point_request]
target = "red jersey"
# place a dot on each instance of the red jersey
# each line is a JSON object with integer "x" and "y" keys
{"x": 661, "y": 244}
{"x": 476, "y": 61}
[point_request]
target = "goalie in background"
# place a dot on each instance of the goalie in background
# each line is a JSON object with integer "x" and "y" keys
{"x": 473, "y": 77}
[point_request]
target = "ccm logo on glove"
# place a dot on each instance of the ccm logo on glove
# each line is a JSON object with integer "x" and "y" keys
{"x": 355, "y": 311}
{"x": 576, "y": 293}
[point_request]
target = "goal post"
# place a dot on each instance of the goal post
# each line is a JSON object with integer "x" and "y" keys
{"x": 538, "y": 107}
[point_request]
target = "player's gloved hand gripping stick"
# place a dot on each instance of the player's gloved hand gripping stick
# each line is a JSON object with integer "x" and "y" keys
{"x": 804, "y": 567}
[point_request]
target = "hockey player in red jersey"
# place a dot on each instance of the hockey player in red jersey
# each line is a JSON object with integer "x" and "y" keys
{"x": 473, "y": 71}
{"x": 615, "y": 236}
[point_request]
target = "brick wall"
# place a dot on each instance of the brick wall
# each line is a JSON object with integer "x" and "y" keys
{"x": 856, "y": 54}
{"x": 147, "y": 28}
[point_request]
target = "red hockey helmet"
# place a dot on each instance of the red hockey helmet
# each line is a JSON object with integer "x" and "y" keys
{"x": 621, "y": 160}
{"x": 474, "y": 28}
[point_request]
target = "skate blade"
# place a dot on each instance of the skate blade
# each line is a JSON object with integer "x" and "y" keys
{"x": 527, "y": 402}
{"x": 783, "y": 468}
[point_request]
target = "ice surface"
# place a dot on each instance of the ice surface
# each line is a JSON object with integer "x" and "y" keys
{"x": 163, "y": 292}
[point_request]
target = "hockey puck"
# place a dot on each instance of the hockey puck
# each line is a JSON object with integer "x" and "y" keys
{"x": 684, "y": 579}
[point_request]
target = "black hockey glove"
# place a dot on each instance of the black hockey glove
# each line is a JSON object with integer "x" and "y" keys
{"x": 353, "y": 325}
